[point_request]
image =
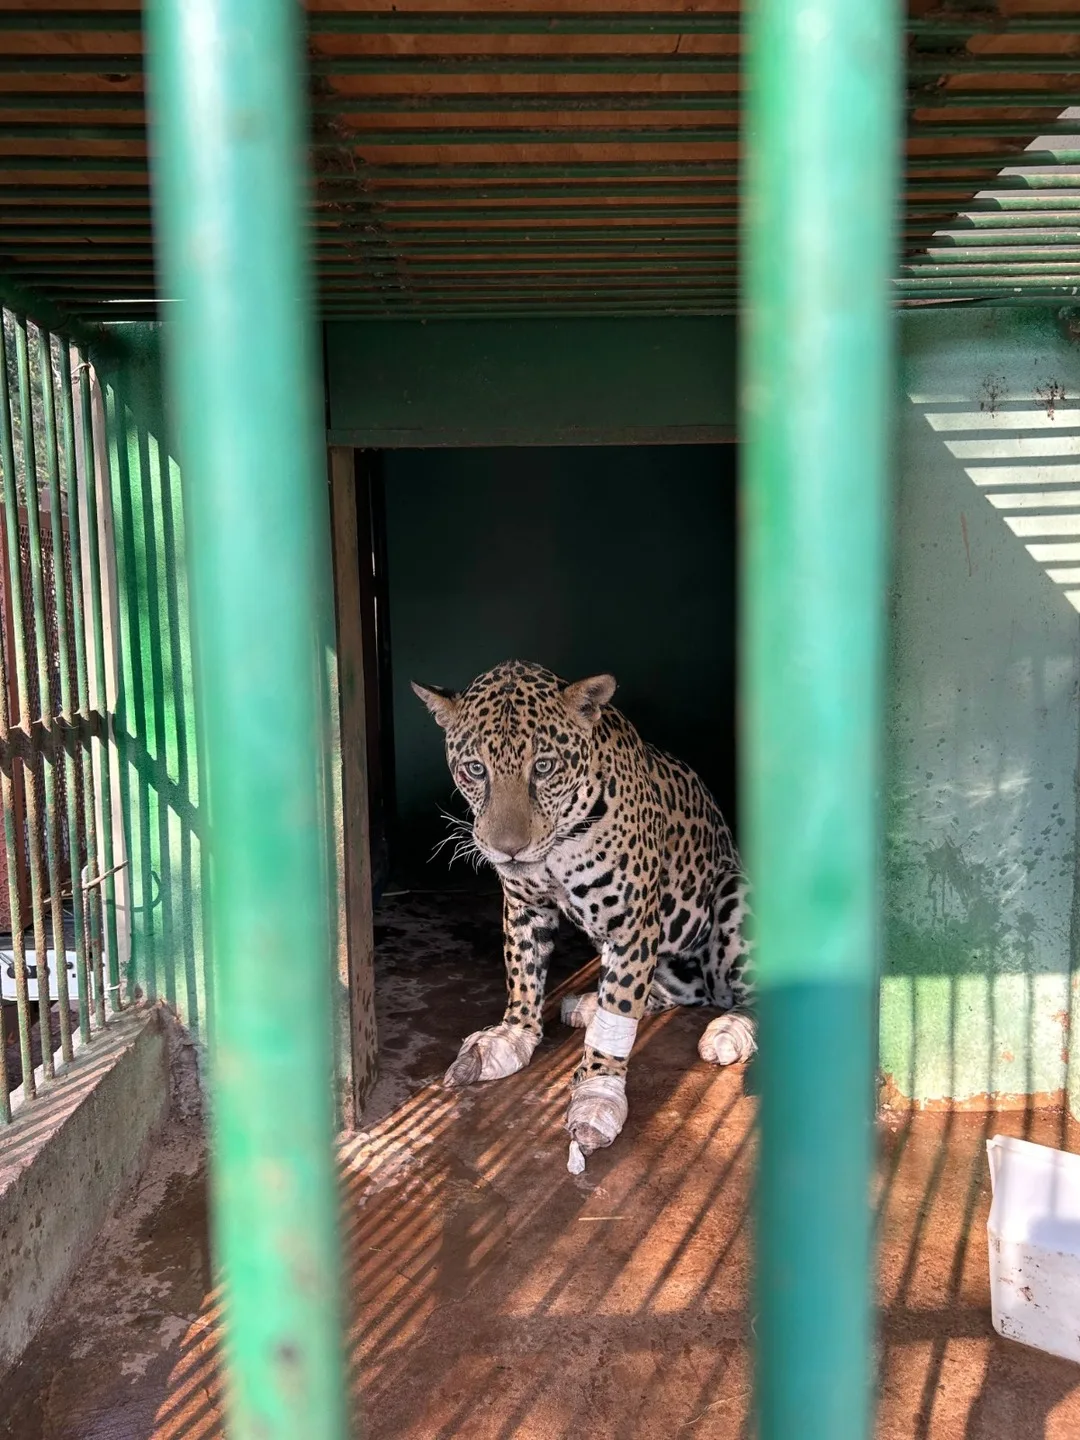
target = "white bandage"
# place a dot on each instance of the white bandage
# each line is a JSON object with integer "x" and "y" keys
{"x": 611, "y": 1034}
{"x": 597, "y": 1105}
{"x": 578, "y": 1010}
{"x": 503, "y": 1050}
{"x": 727, "y": 1040}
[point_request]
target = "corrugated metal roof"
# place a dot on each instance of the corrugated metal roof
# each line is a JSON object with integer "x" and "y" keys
{"x": 558, "y": 159}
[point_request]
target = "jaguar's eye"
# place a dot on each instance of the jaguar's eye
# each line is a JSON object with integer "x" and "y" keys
{"x": 474, "y": 769}
{"x": 544, "y": 766}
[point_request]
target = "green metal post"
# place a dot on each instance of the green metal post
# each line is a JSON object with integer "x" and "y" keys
{"x": 9, "y": 578}
{"x": 103, "y": 746}
{"x": 52, "y": 764}
{"x": 822, "y": 145}
{"x": 35, "y": 821}
{"x": 228, "y": 132}
{"x": 69, "y": 694}
{"x": 96, "y": 754}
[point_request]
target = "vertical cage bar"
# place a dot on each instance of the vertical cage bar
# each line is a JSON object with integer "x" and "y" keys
{"x": 106, "y": 882}
{"x": 229, "y": 135}
{"x": 50, "y": 759}
{"x": 92, "y": 757}
{"x": 34, "y": 822}
{"x": 69, "y": 695}
{"x": 822, "y": 141}
{"x": 13, "y": 840}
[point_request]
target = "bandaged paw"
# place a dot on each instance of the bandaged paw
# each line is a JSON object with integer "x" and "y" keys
{"x": 492, "y": 1054}
{"x": 727, "y": 1040}
{"x": 597, "y": 1113}
{"x": 578, "y": 1010}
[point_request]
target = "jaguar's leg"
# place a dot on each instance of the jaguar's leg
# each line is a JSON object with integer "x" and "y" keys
{"x": 731, "y": 1037}
{"x": 528, "y": 935}
{"x": 677, "y": 980}
{"x": 598, "y": 1107}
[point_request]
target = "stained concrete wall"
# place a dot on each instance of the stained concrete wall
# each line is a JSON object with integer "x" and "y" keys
{"x": 65, "y": 1161}
{"x": 981, "y": 807}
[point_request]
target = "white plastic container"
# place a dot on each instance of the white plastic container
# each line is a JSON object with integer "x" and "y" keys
{"x": 1034, "y": 1234}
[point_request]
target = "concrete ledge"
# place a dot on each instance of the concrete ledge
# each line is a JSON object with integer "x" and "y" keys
{"x": 65, "y": 1160}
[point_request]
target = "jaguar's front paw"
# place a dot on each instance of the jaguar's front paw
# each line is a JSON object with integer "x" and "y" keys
{"x": 597, "y": 1113}
{"x": 491, "y": 1054}
{"x": 728, "y": 1039}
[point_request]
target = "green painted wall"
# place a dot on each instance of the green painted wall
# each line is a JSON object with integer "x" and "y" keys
{"x": 500, "y": 552}
{"x": 533, "y": 382}
{"x": 980, "y": 805}
{"x": 584, "y": 560}
{"x": 156, "y": 722}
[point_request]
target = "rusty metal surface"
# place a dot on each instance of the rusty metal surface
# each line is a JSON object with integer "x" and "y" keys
{"x": 454, "y": 148}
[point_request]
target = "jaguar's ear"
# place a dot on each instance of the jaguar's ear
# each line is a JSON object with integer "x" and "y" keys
{"x": 443, "y": 704}
{"x": 586, "y": 698}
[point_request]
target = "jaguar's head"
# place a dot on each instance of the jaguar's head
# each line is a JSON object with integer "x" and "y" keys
{"x": 519, "y": 743}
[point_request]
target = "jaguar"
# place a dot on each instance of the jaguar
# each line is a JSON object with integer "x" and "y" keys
{"x": 580, "y": 817}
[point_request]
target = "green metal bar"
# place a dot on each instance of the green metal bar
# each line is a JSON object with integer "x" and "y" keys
{"x": 477, "y": 259}
{"x": 985, "y": 302}
{"x": 34, "y": 819}
{"x": 13, "y": 839}
{"x": 396, "y": 236}
{"x": 569, "y": 103}
{"x": 938, "y": 277}
{"x": 1036, "y": 260}
{"x": 680, "y": 62}
{"x": 977, "y": 222}
{"x": 539, "y": 285}
{"x": 49, "y": 702}
{"x": 133, "y": 199}
{"x": 990, "y": 21}
{"x": 556, "y": 234}
{"x": 63, "y": 101}
{"x": 823, "y": 125}
{"x": 1019, "y": 243}
{"x": 999, "y": 202}
{"x": 94, "y": 919}
{"x": 718, "y": 169}
{"x": 725, "y": 133}
{"x": 62, "y": 64}
{"x": 97, "y": 202}
{"x": 1041, "y": 174}
{"x": 974, "y": 99}
{"x": 229, "y": 144}
{"x": 78, "y": 165}
{"x": 391, "y": 22}
{"x": 663, "y": 22}
{"x": 103, "y": 746}
{"x": 66, "y": 635}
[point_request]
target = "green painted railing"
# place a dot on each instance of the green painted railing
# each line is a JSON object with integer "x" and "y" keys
{"x": 54, "y": 749}
{"x": 822, "y": 146}
{"x": 228, "y": 129}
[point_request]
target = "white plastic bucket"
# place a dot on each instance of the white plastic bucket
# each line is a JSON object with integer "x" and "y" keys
{"x": 1034, "y": 1234}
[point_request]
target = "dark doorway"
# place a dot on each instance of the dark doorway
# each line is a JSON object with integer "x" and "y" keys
{"x": 619, "y": 559}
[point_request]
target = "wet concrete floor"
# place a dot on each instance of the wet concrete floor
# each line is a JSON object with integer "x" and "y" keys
{"x": 494, "y": 1296}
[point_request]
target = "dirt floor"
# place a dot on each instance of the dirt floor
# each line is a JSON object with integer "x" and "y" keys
{"x": 495, "y": 1296}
